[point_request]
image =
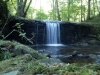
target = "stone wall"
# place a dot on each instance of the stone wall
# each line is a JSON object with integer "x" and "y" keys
{"x": 29, "y": 27}
{"x": 70, "y": 32}
{"x": 73, "y": 32}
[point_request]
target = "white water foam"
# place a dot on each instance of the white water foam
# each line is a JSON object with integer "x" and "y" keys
{"x": 52, "y": 32}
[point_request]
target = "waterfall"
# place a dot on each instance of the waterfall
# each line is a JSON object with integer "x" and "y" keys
{"x": 52, "y": 32}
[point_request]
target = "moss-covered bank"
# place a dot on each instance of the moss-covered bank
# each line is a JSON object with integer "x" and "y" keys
{"x": 26, "y": 65}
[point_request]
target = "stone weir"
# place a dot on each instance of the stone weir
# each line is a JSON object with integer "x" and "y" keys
{"x": 69, "y": 32}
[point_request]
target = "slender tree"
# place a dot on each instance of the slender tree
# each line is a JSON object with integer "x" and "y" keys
{"x": 22, "y": 7}
{"x": 3, "y": 11}
{"x": 54, "y": 12}
{"x": 88, "y": 13}
{"x": 93, "y": 7}
{"x": 98, "y": 6}
{"x": 81, "y": 10}
{"x": 57, "y": 9}
{"x": 84, "y": 11}
{"x": 68, "y": 10}
{"x": 4, "y": 16}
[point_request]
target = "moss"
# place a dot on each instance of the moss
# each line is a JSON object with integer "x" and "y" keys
{"x": 94, "y": 42}
{"x": 71, "y": 69}
{"x": 32, "y": 67}
{"x": 20, "y": 49}
{"x": 35, "y": 68}
{"x": 15, "y": 62}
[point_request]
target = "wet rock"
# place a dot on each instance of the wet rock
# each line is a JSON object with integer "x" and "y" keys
{"x": 75, "y": 53}
{"x": 98, "y": 56}
{"x": 79, "y": 55}
{"x": 11, "y": 73}
{"x": 76, "y": 57}
{"x": 81, "y": 44}
{"x": 48, "y": 55}
{"x": 93, "y": 56}
{"x": 41, "y": 51}
{"x": 84, "y": 44}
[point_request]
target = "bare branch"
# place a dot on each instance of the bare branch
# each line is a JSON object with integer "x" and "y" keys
{"x": 24, "y": 4}
{"x": 28, "y": 7}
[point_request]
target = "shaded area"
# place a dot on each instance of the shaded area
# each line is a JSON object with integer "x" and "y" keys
{"x": 70, "y": 32}
{"x": 67, "y": 54}
{"x": 74, "y": 32}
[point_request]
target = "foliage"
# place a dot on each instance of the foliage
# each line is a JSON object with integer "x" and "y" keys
{"x": 78, "y": 10}
{"x": 19, "y": 8}
{"x": 19, "y": 29}
{"x": 31, "y": 13}
{"x": 4, "y": 52}
{"x": 22, "y": 33}
{"x": 14, "y": 62}
{"x": 40, "y": 15}
{"x": 32, "y": 66}
{"x": 5, "y": 55}
{"x": 12, "y": 7}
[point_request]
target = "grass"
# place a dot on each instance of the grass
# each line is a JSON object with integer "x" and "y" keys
{"x": 30, "y": 66}
{"x": 15, "y": 62}
{"x": 93, "y": 21}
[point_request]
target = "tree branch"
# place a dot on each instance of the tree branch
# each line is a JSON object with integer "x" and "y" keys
{"x": 24, "y": 4}
{"x": 28, "y": 7}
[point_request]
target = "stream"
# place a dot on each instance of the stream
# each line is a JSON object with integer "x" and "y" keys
{"x": 64, "y": 51}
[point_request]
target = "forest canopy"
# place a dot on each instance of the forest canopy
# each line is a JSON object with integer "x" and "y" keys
{"x": 62, "y": 10}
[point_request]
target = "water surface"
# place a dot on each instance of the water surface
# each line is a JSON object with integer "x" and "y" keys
{"x": 63, "y": 51}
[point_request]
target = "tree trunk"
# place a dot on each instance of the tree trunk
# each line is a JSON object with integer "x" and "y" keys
{"x": 88, "y": 14}
{"x": 57, "y": 9}
{"x": 54, "y": 16}
{"x": 81, "y": 10}
{"x": 3, "y": 12}
{"x": 93, "y": 7}
{"x": 22, "y": 8}
{"x": 84, "y": 14}
{"x": 68, "y": 10}
{"x": 4, "y": 18}
{"x": 98, "y": 7}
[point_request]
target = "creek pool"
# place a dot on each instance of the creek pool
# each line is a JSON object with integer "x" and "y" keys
{"x": 63, "y": 51}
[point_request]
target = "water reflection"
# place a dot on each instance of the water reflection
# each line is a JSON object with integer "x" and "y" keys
{"x": 63, "y": 52}
{"x": 50, "y": 45}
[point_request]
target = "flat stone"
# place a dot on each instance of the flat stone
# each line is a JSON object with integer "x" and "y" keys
{"x": 11, "y": 73}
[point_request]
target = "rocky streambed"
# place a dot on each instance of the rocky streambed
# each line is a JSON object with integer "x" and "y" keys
{"x": 19, "y": 59}
{"x": 72, "y": 53}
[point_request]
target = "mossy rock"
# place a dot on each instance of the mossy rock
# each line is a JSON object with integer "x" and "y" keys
{"x": 20, "y": 49}
{"x": 15, "y": 63}
{"x": 94, "y": 42}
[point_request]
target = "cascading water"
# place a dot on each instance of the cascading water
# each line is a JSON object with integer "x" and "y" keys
{"x": 52, "y": 32}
